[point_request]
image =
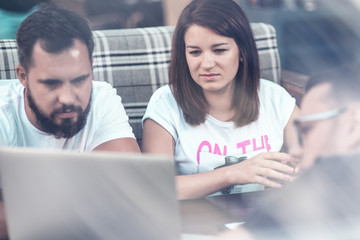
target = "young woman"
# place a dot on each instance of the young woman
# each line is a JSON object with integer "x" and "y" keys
{"x": 216, "y": 106}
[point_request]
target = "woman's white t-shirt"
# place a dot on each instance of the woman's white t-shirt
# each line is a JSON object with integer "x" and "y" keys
{"x": 204, "y": 147}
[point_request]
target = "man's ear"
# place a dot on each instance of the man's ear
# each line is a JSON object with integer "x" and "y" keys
{"x": 21, "y": 74}
{"x": 354, "y": 126}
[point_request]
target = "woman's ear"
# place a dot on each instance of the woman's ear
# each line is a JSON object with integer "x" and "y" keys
{"x": 353, "y": 131}
{"x": 21, "y": 74}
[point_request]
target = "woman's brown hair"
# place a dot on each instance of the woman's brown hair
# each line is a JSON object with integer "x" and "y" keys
{"x": 226, "y": 18}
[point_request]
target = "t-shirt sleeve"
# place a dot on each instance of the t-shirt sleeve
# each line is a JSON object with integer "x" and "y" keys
{"x": 7, "y": 127}
{"x": 163, "y": 109}
{"x": 111, "y": 119}
{"x": 278, "y": 102}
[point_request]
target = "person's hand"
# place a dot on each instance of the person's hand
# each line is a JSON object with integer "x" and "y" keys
{"x": 263, "y": 169}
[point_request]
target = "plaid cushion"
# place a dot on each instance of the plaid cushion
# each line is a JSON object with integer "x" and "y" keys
{"x": 8, "y": 59}
{"x": 135, "y": 62}
{"x": 266, "y": 42}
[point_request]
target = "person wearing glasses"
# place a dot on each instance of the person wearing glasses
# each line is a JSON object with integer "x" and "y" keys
{"x": 223, "y": 124}
{"x": 323, "y": 202}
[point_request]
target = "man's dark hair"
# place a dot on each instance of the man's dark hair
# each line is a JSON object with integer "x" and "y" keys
{"x": 345, "y": 82}
{"x": 56, "y": 29}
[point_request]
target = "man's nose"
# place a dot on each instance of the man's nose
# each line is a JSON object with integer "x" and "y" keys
{"x": 295, "y": 151}
{"x": 66, "y": 95}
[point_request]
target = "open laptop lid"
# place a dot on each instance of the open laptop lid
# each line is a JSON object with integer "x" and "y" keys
{"x": 67, "y": 195}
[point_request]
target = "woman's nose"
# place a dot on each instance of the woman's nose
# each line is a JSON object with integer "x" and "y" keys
{"x": 208, "y": 60}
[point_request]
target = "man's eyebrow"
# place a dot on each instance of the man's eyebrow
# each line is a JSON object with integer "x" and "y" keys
{"x": 48, "y": 80}
{"x": 82, "y": 77}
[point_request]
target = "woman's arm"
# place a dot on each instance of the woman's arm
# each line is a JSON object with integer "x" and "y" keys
{"x": 157, "y": 140}
{"x": 258, "y": 169}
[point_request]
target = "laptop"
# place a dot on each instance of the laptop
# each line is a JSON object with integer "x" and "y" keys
{"x": 100, "y": 195}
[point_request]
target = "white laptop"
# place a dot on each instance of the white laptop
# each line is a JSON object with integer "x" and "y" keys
{"x": 67, "y": 195}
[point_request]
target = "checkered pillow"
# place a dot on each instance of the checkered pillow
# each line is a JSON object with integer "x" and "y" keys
{"x": 266, "y": 42}
{"x": 135, "y": 62}
{"x": 8, "y": 59}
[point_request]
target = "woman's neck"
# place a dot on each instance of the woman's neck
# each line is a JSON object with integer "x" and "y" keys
{"x": 220, "y": 106}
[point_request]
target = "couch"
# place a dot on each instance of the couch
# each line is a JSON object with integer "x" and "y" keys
{"x": 135, "y": 62}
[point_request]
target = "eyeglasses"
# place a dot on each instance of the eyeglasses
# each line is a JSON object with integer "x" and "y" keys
{"x": 314, "y": 118}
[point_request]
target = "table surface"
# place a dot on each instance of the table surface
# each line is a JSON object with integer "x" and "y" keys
{"x": 209, "y": 215}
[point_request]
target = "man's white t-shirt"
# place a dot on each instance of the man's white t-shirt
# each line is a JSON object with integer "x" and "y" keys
{"x": 107, "y": 120}
{"x": 204, "y": 147}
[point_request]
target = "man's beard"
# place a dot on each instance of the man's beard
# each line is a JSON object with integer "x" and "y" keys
{"x": 67, "y": 127}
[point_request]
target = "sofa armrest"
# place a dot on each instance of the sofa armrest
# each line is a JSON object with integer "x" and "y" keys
{"x": 294, "y": 83}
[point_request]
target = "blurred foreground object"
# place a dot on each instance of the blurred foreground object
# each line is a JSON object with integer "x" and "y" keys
{"x": 323, "y": 202}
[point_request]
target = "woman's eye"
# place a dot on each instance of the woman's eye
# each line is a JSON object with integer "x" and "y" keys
{"x": 195, "y": 52}
{"x": 220, "y": 50}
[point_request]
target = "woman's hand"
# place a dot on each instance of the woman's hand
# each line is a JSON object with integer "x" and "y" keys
{"x": 262, "y": 169}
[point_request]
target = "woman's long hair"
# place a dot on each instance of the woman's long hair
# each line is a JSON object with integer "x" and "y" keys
{"x": 226, "y": 18}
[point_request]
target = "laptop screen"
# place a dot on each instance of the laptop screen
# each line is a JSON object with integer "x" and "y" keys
{"x": 68, "y": 195}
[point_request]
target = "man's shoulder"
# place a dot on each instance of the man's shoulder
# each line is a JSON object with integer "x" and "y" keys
{"x": 102, "y": 91}
{"x": 9, "y": 90}
{"x": 99, "y": 85}
{"x": 10, "y": 99}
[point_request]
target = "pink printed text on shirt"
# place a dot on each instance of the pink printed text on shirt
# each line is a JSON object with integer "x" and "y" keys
{"x": 245, "y": 146}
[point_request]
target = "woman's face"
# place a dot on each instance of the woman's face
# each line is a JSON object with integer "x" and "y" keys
{"x": 213, "y": 59}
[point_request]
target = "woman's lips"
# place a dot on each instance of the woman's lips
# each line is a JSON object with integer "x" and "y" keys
{"x": 209, "y": 77}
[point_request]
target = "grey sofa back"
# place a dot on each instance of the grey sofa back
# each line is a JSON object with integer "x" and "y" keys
{"x": 135, "y": 62}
